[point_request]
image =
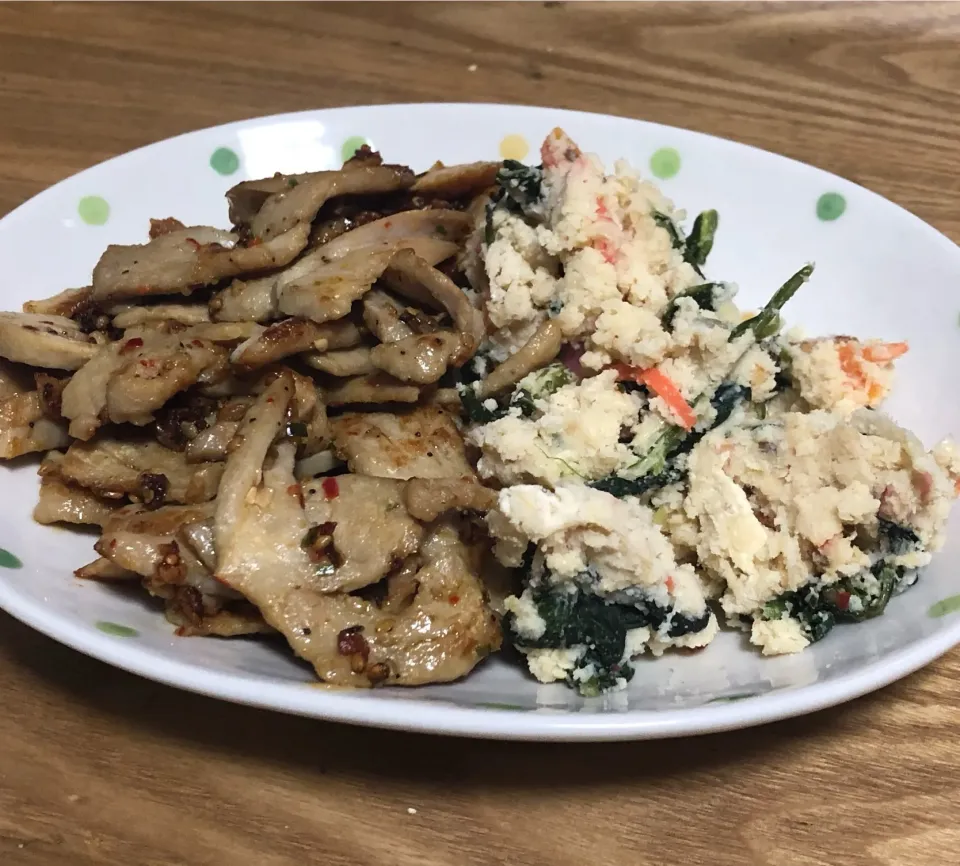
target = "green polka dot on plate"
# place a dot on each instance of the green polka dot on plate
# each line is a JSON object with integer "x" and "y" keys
{"x": 93, "y": 210}
{"x": 8, "y": 560}
{"x": 830, "y": 206}
{"x": 351, "y": 146}
{"x": 665, "y": 163}
{"x": 951, "y": 604}
{"x": 224, "y": 161}
{"x": 117, "y": 630}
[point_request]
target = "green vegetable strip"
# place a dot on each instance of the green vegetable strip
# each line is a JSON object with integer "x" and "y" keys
{"x": 700, "y": 241}
{"x": 762, "y": 323}
{"x": 670, "y": 227}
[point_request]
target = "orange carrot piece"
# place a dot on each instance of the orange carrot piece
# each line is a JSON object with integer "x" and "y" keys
{"x": 884, "y": 352}
{"x": 850, "y": 364}
{"x": 663, "y": 386}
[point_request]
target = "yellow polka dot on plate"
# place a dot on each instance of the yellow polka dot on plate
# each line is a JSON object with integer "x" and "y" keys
{"x": 514, "y": 147}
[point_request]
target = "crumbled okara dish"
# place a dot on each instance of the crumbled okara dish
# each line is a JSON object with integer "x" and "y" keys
{"x": 348, "y": 418}
{"x": 694, "y": 464}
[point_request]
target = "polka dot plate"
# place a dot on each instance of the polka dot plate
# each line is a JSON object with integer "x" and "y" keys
{"x": 880, "y": 272}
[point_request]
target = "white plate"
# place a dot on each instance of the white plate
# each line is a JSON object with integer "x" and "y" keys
{"x": 880, "y": 272}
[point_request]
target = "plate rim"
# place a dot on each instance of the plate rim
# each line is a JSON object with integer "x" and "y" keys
{"x": 441, "y": 716}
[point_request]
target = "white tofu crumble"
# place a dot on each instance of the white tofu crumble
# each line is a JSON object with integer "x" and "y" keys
{"x": 698, "y": 455}
{"x": 576, "y": 436}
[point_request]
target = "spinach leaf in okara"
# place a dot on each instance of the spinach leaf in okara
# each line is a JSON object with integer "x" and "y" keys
{"x": 702, "y": 295}
{"x": 521, "y": 183}
{"x": 853, "y": 598}
{"x": 659, "y": 465}
{"x": 574, "y": 617}
{"x": 519, "y": 191}
{"x": 696, "y": 247}
{"x": 534, "y": 386}
{"x": 896, "y": 538}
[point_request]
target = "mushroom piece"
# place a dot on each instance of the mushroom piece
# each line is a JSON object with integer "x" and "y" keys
{"x": 542, "y": 347}
{"x": 432, "y": 234}
{"x": 371, "y": 388}
{"x": 297, "y": 204}
{"x": 341, "y": 334}
{"x": 199, "y": 537}
{"x": 67, "y": 303}
{"x": 422, "y": 359}
{"x": 275, "y": 342}
{"x": 213, "y": 443}
{"x": 407, "y": 270}
{"x": 129, "y": 316}
{"x": 104, "y": 569}
{"x": 308, "y": 412}
{"x": 47, "y": 341}
{"x": 342, "y": 362}
{"x": 441, "y": 634}
{"x": 383, "y": 315}
{"x": 457, "y": 181}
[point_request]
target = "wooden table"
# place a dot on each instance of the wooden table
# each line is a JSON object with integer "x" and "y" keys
{"x": 99, "y": 767}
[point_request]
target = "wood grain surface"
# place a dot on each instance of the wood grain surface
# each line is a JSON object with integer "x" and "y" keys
{"x": 99, "y": 767}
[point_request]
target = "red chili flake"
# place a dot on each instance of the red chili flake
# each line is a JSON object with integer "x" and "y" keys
{"x": 387, "y": 224}
{"x": 142, "y": 290}
{"x": 669, "y": 583}
{"x": 602, "y": 211}
{"x": 331, "y": 489}
{"x": 148, "y": 363}
{"x": 606, "y": 248}
{"x": 254, "y": 242}
{"x": 131, "y": 345}
{"x": 350, "y": 642}
{"x": 842, "y": 599}
{"x": 269, "y": 399}
{"x": 197, "y": 343}
{"x": 454, "y": 599}
{"x": 193, "y": 243}
{"x": 113, "y": 544}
